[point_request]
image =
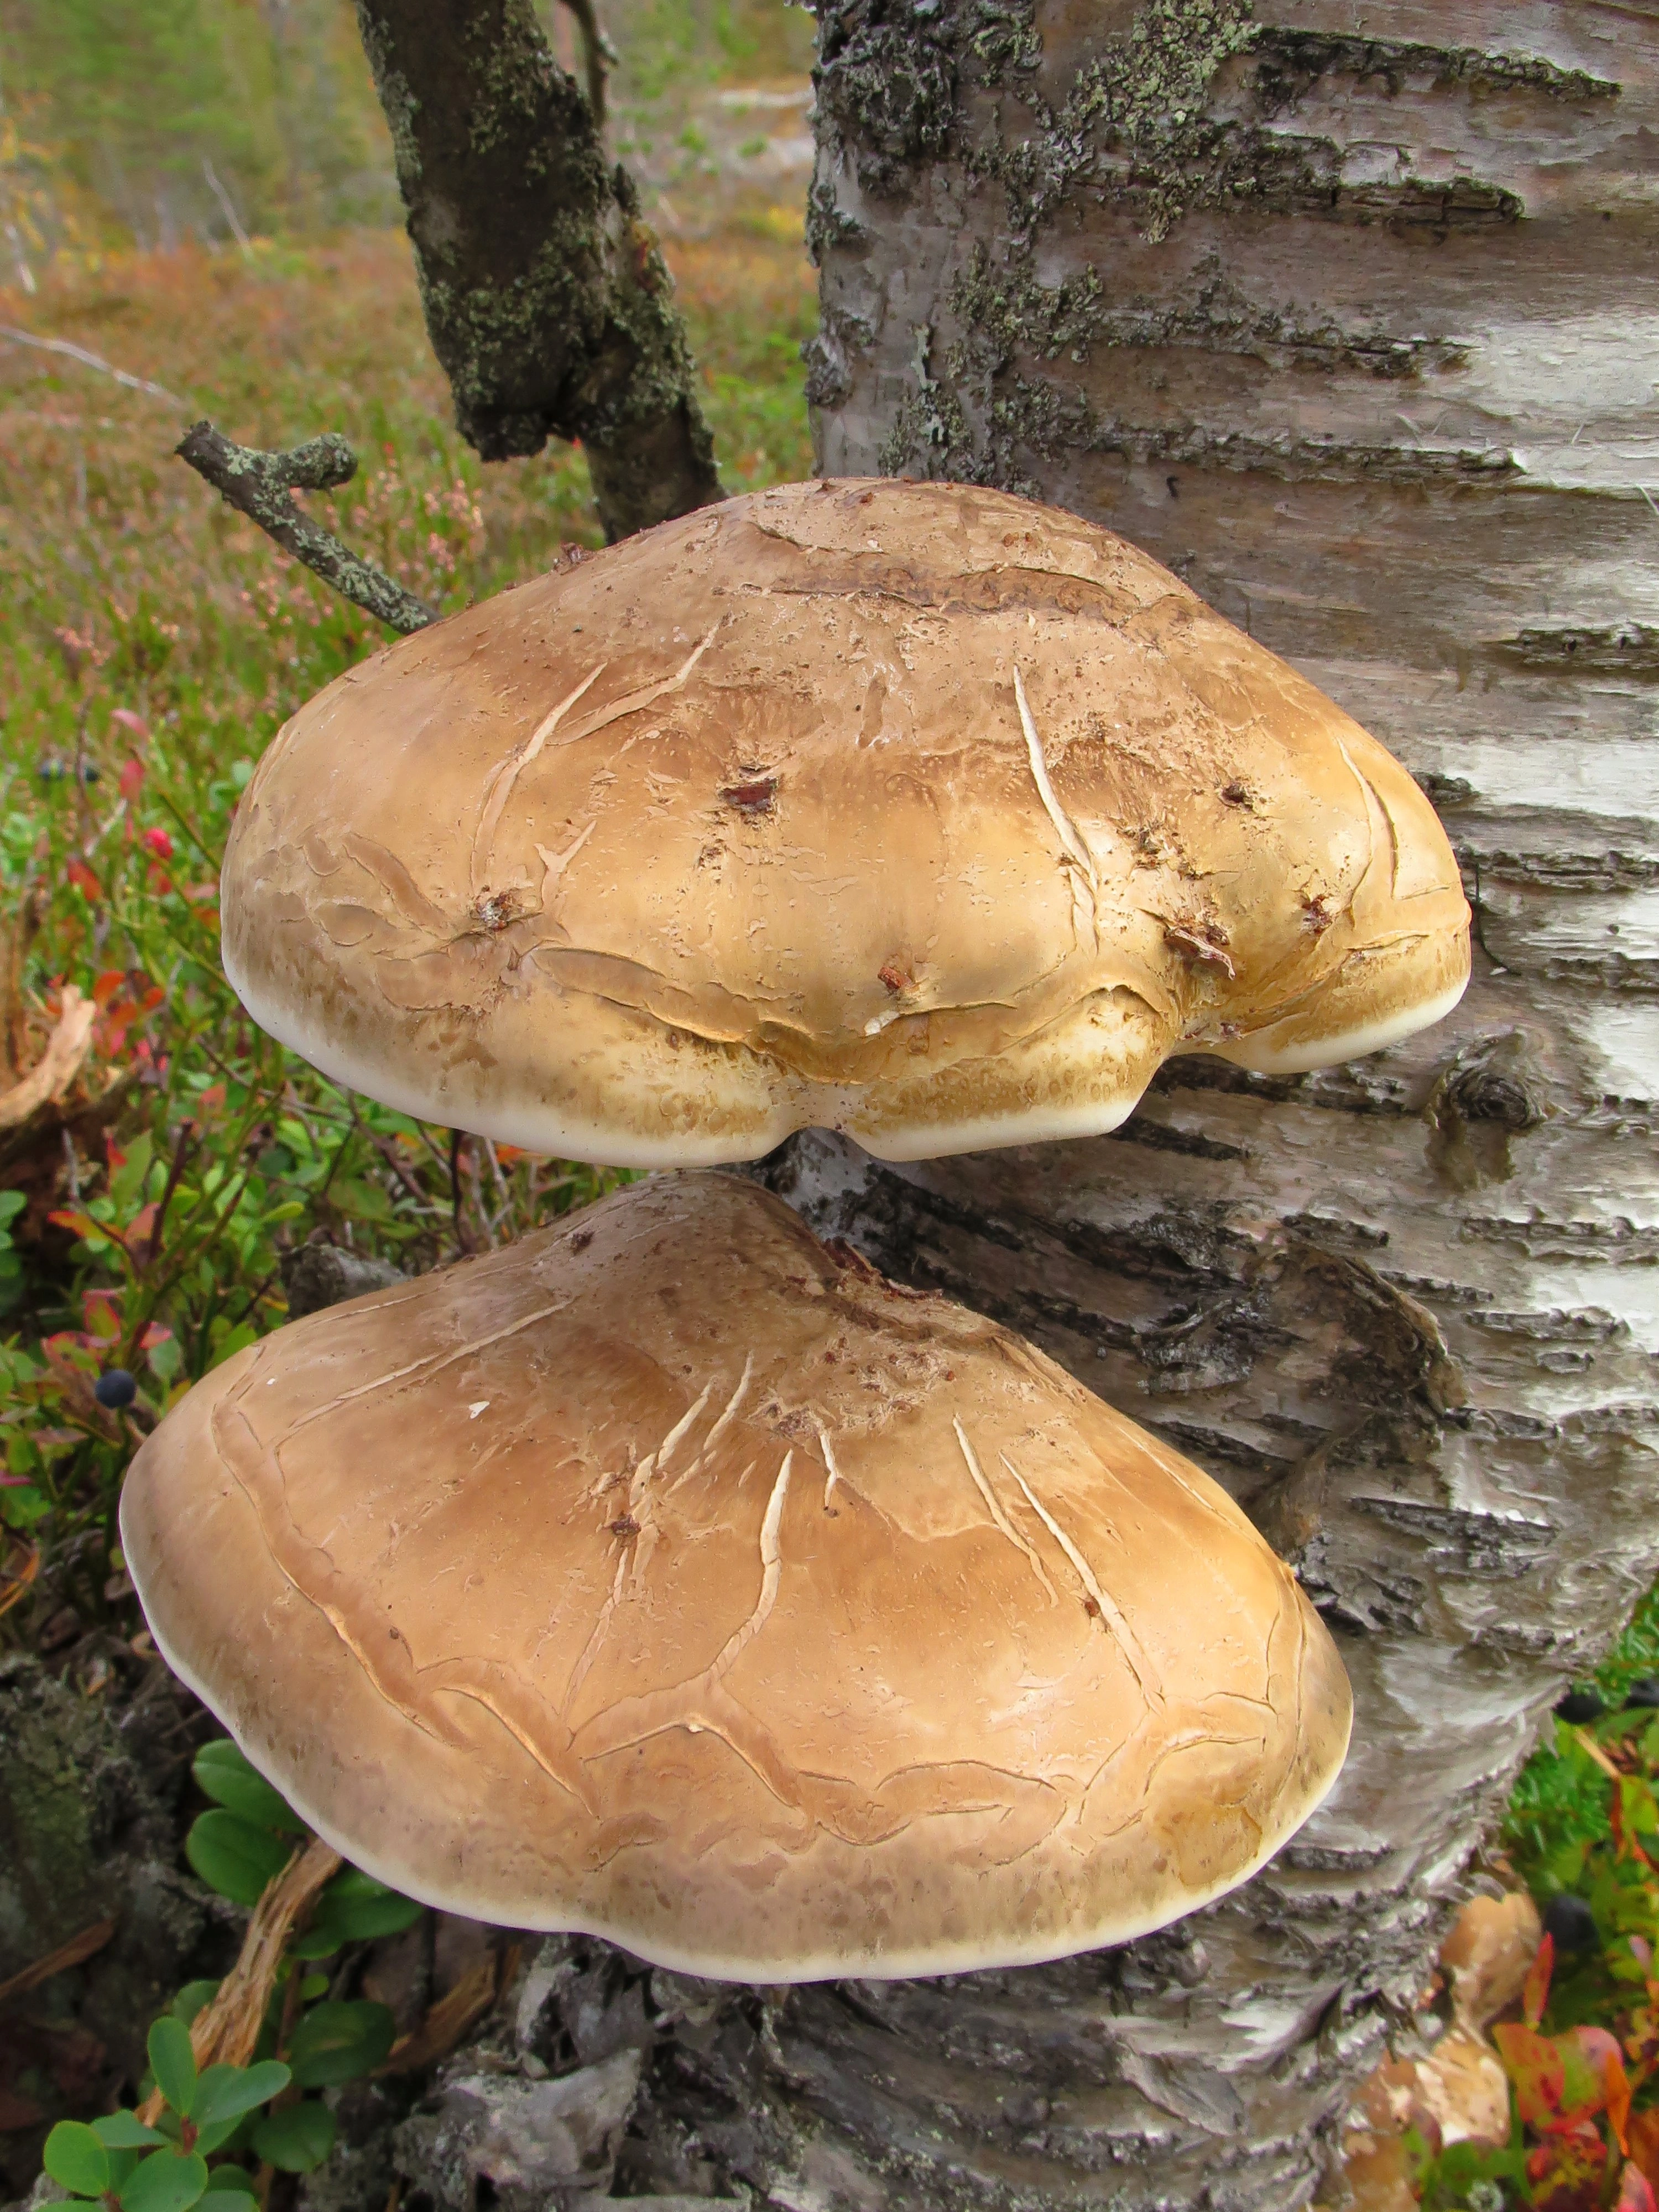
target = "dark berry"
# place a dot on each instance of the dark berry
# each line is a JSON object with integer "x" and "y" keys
{"x": 115, "y": 1388}
{"x": 1642, "y": 1693}
{"x": 1579, "y": 1707}
{"x": 1571, "y": 1925}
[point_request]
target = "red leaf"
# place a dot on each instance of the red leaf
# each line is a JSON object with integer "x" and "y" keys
{"x": 1534, "y": 2064}
{"x": 101, "y": 1311}
{"x": 1604, "y": 2063}
{"x": 84, "y": 881}
{"x": 1534, "y": 1994}
{"x": 106, "y": 986}
{"x": 132, "y": 779}
{"x": 1635, "y": 2192}
{"x": 135, "y": 724}
{"x": 1567, "y": 2171}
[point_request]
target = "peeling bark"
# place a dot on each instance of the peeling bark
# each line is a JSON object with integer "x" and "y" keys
{"x": 547, "y": 300}
{"x": 1356, "y": 334}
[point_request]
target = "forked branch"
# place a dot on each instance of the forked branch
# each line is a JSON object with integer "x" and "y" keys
{"x": 261, "y": 485}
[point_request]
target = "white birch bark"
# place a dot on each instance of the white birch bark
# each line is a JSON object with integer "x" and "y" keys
{"x": 1347, "y": 312}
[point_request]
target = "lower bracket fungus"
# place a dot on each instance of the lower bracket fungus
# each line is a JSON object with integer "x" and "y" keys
{"x": 672, "y": 1576}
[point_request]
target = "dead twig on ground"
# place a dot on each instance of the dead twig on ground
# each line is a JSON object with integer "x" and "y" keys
{"x": 48, "y": 1081}
{"x": 60, "y": 1960}
{"x": 225, "y": 2032}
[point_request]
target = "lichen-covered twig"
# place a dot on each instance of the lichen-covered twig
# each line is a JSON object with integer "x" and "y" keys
{"x": 261, "y": 486}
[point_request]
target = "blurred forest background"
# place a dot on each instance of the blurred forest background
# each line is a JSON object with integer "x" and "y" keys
{"x": 154, "y": 122}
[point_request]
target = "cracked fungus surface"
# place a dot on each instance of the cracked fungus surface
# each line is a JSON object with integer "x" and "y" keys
{"x": 675, "y": 1578}
{"x": 916, "y": 811}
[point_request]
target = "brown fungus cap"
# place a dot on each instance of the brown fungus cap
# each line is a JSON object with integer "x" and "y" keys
{"x": 676, "y": 1578}
{"x": 915, "y": 811}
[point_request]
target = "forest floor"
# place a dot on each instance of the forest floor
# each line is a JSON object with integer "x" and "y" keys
{"x": 151, "y": 1207}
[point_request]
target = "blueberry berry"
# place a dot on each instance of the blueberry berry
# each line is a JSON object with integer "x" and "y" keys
{"x": 1579, "y": 1707}
{"x": 115, "y": 1388}
{"x": 1571, "y": 1925}
{"x": 1642, "y": 1693}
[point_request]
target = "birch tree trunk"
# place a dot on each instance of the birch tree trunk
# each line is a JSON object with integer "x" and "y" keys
{"x": 1347, "y": 313}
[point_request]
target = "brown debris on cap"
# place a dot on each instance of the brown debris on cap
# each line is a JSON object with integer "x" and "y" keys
{"x": 678, "y": 1579}
{"x": 616, "y": 864}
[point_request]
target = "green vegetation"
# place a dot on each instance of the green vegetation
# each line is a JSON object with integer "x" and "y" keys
{"x": 157, "y": 2161}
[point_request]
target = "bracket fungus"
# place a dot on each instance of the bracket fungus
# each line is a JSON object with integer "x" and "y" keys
{"x": 673, "y": 1577}
{"x": 913, "y": 810}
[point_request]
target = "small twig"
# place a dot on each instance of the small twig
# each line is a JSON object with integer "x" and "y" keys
{"x": 180, "y": 1152}
{"x": 463, "y": 1234}
{"x": 598, "y": 55}
{"x": 388, "y": 1152}
{"x": 227, "y": 208}
{"x": 60, "y": 1960}
{"x": 261, "y": 486}
{"x": 91, "y": 361}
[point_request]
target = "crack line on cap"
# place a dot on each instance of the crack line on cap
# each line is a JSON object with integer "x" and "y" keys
{"x": 993, "y": 1506}
{"x": 499, "y": 789}
{"x": 427, "y": 1367}
{"x": 1071, "y": 843}
{"x": 632, "y": 702}
{"x": 1109, "y": 1614}
{"x": 723, "y": 1422}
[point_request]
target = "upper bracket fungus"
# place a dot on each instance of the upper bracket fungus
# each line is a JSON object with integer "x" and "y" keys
{"x": 915, "y": 811}
{"x": 673, "y": 1577}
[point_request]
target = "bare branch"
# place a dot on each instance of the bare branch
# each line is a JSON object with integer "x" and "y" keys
{"x": 598, "y": 55}
{"x": 261, "y": 486}
{"x": 10, "y": 331}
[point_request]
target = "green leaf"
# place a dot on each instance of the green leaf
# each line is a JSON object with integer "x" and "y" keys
{"x": 297, "y": 2138}
{"x": 194, "y": 1997}
{"x": 75, "y": 2156}
{"x": 224, "y": 1774}
{"x": 225, "y": 2093}
{"x": 338, "y": 2042}
{"x": 167, "y": 2181}
{"x": 316, "y": 1944}
{"x": 12, "y": 1203}
{"x": 233, "y": 1857}
{"x": 227, "y": 2200}
{"x": 172, "y": 2062}
{"x": 354, "y": 1906}
{"x": 124, "y": 2132}
{"x": 231, "y": 2178}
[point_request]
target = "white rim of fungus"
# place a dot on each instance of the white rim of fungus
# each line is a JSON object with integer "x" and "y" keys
{"x": 841, "y": 1107}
